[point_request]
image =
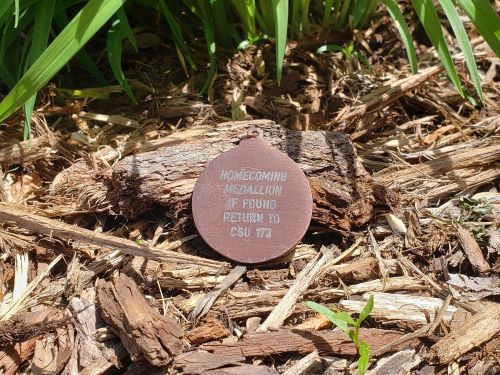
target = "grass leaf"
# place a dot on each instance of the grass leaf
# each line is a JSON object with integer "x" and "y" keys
{"x": 246, "y": 11}
{"x": 126, "y": 29}
{"x": 44, "y": 11}
{"x": 366, "y": 310}
{"x": 344, "y": 14}
{"x": 74, "y": 36}
{"x": 176, "y": 32}
{"x": 399, "y": 20}
{"x": 428, "y": 16}
{"x": 330, "y": 47}
{"x": 225, "y": 31}
{"x": 16, "y": 13}
{"x": 264, "y": 15}
{"x": 463, "y": 41}
{"x": 62, "y": 19}
{"x": 116, "y": 34}
{"x": 4, "y": 7}
{"x": 339, "y": 321}
{"x": 485, "y": 19}
{"x": 280, "y": 33}
{"x": 327, "y": 12}
{"x": 92, "y": 92}
{"x": 364, "y": 357}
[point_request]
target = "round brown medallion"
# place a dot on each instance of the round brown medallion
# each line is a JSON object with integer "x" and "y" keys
{"x": 252, "y": 203}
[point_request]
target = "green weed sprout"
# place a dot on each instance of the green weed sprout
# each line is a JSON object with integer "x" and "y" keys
{"x": 350, "y": 326}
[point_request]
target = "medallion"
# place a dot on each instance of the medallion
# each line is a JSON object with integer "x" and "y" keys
{"x": 252, "y": 203}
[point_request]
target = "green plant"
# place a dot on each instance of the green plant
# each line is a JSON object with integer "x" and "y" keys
{"x": 475, "y": 207}
{"x": 38, "y": 38}
{"x": 41, "y": 63}
{"x": 351, "y": 55}
{"x": 350, "y": 326}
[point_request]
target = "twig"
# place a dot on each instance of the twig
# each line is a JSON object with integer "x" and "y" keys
{"x": 205, "y": 304}
{"x": 55, "y": 228}
{"x": 301, "y": 284}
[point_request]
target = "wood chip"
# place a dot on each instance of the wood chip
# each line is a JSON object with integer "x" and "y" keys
{"x": 210, "y": 329}
{"x": 205, "y": 304}
{"x": 199, "y": 361}
{"x": 302, "y": 282}
{"x": 303, "y": 342}
{"x": 394, "y": 308}
{"x": 472, "y": 250}
{"x": 473, "y": 288}
{"x": 304, "y": 365}
{"x": 142, "y": 330}
{"x": 400, "y": 363}
{"x": 474, "y": 332}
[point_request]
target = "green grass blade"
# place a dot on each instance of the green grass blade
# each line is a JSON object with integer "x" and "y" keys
{"x": 430, "y": 21}
{"x": 16, "y": 13}
{"x": 81, "y": 28}
{"x": 264, "y": 15}
{"x": 205, "y": 15}
{"x": 116, "y": 34}
{"x": 246, "y": 11}
{"x": 358, "y": 10}
{"x": 299, "y": 23}
{"x": 344, "y": 14}
{"x": 463, "y": 41}
{"x": 295, "y": 19}
{"x": 92, "y": 92}
{"x": 334, "y": 20}
{"x": 4, "y": 8}
{"x": 404, "y": 31}
{"x": 126, "y": 29}
{"x": 368, "y": 11}
{"x": 280, "y": 30}
{"x": 224, "y": 30}
{"x": 176, "y": 32}
{"x": 83, "y": 58}
{"x": 329, "y": 48}
{"x": 327, "y": 12}
{"x": 485, "y": 19}
{"x": 44, "y": 12}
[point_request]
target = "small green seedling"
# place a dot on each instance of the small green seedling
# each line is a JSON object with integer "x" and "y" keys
{"x": 475, "y": 207}
{"x": 350, "y": 326}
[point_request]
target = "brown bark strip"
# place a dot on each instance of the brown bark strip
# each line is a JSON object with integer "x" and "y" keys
{"x": 198, "y": 361}
{"x": 474, "y": 332}
{"x": 142, "y": 330}
{"x": 297, "y": 341}
{"x": 341, "y": 187}
{"x": 472, "y": 250}
{"x": 55, "y": 228}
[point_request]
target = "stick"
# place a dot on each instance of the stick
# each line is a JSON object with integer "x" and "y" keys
{"x": 205, "y": 304}
{"x": 301, "y": 284}
{"x": 51, "y": 227}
